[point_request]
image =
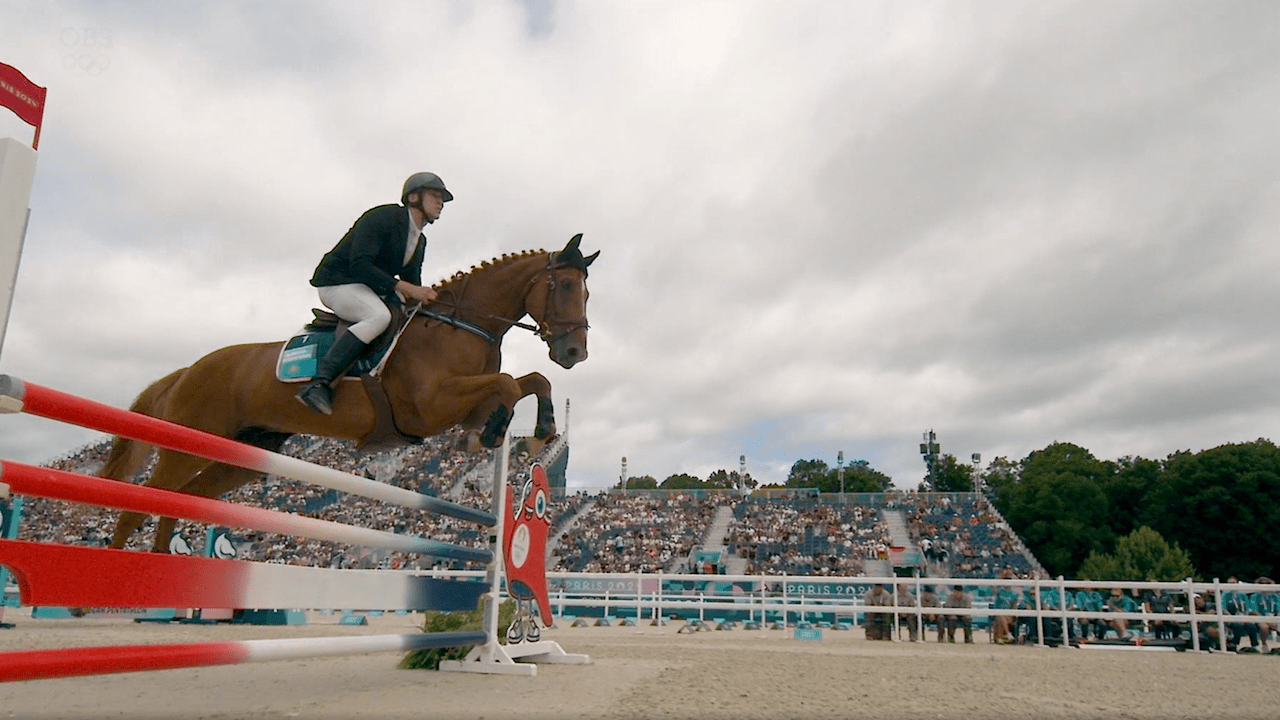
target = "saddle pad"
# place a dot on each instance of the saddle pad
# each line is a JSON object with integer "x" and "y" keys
{"x": 301, "y": 354}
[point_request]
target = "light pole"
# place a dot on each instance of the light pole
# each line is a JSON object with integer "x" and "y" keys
{"x": 625, "y": 482}
{"x": 840, "y": 473}
{"x": 977, "y": 475}
{"x": 930, "y": 449}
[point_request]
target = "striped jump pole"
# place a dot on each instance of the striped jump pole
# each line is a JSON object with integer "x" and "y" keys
{"x": 17, "y": 395}
{"x": 56, "y": 574}
{"x": 53, "y": 575}
{"x": 72, "y": 662}
{"x": 54, "y": 484}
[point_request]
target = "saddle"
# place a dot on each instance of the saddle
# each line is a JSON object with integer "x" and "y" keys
{"x": 301, "y": 354}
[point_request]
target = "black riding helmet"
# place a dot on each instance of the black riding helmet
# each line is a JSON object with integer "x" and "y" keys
{"x": 424, "y": 180}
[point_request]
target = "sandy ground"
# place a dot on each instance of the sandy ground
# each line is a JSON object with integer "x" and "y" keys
{"x": 651, "y": 672}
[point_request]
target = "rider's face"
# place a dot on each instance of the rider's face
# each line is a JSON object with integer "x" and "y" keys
{"x": 432, "y": 203}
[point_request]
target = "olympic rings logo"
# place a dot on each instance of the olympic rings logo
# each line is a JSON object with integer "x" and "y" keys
{"x": 87, "y": 40}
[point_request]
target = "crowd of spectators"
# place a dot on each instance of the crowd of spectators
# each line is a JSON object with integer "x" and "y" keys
{"x": 636, "y": 533}
{"x": 611, "y": 533}
{"x": 962, "y": 536}
{"x": 806, "y": 537}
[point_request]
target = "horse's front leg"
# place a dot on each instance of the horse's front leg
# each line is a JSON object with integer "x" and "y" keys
{"x": 535, "y": 384}
{"x": 490, "y": 399}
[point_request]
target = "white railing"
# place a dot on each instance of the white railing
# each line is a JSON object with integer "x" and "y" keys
{"x": 794, "y": 598}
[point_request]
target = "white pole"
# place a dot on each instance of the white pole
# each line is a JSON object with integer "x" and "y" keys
{"x": 17, "y": 172}
{"x": 1222, "y": 622}
{"x": 495, "y": 565}
{"x": 1062, "y": 605}
{"x": 1191, "y": 608}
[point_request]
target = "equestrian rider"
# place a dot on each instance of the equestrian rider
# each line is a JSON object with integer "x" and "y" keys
{"x": 377, "y": 262}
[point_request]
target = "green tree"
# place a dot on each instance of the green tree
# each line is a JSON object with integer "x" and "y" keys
{"x": 644, "y": 482}
{"x": 859, "y": 476}
{"x": 726, "y": 479}
{"x": 1223, "y": 506}
{"x": 951, "y": 476}
{"x": 807, "y": 473}
{"x": 1127, "y": 492}
{"x": 1141, "y": 556}
{"x": 682, "y": 481}
{"x": 1001, "y": 474}
{"x": 1058, "y": 507}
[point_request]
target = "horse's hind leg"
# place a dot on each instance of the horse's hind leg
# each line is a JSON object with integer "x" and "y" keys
{"x": 128, "y": 523}
{"x": 214, "y": 481}
{"x": 126, "y": 458}
{"x": 173, "y": 471}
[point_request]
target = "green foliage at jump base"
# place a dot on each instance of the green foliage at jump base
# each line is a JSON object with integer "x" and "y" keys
{"x": 429, "y": 658}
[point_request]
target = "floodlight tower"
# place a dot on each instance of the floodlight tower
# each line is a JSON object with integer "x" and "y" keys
{"x": 840, "y": 473}
{"x": 931, "y": 451}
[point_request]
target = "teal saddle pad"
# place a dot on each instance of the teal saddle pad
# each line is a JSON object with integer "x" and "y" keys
{"x": 301, "y": 355}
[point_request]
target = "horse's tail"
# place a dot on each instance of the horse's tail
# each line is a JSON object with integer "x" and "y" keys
{"x": 128, "y": 456}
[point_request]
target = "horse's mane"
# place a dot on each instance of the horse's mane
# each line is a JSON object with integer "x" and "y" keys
{"x": 495, "y": 262}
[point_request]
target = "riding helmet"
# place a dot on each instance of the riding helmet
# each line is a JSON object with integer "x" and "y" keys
{"x": 419, "y": 181}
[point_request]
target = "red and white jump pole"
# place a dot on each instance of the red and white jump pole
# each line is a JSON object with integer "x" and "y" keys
{"x": 19, "y": 396}
{"x": 71, "y": 662}
{"x": 60, "y": 485}
{"x": 55, "y": 574}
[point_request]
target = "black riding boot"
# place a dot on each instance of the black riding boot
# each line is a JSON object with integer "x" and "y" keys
{"x": 318, "y": 394}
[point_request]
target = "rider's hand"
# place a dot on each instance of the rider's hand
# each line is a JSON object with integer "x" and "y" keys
{"x": 416, "y": 292}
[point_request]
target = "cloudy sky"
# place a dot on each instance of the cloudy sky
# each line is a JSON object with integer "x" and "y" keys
{"x": 823, "y": 226}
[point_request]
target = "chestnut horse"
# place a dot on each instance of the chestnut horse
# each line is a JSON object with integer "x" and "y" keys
{"x": 439, "y": 375}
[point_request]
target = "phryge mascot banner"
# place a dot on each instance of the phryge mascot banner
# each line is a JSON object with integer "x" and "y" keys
{"x": 524, "y": 546}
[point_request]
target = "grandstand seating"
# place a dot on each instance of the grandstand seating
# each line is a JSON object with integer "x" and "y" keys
{"x": 612, "y": 532}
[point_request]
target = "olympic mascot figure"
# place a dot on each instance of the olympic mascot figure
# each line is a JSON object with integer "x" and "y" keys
{"x": 524, "y": 545}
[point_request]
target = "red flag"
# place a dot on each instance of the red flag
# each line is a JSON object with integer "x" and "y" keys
{"x": 23, "y": 97}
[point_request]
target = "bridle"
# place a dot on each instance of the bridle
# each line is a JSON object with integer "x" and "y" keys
{"x": 549, "y": 330}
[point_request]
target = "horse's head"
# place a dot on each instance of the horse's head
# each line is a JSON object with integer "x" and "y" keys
{"x": 560, "y": 308}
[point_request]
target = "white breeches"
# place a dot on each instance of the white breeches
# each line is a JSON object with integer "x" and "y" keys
{"x": 359, "y": 305}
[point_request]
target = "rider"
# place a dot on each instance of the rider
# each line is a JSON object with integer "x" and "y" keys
{"x": 377, "y": 262}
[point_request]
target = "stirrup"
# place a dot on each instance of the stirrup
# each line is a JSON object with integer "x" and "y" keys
{"x": 318, "y": 396}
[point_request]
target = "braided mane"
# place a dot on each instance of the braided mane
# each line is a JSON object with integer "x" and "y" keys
{"x": 495, "y": 262}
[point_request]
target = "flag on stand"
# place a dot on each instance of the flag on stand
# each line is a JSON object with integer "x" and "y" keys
{"x": 23, "y": 97}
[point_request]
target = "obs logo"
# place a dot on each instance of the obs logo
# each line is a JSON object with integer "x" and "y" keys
{"x": 85, "y": 46}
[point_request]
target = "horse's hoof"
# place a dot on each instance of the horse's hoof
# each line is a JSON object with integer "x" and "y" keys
{"x": 495, "y": 428}
{"x": 471, "y": 442}
{"x": 535, "y": 445}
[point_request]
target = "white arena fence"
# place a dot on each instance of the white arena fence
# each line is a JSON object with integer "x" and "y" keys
{"x": 795, "y": 599}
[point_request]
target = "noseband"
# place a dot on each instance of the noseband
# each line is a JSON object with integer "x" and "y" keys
{"x": 546, "y": 328}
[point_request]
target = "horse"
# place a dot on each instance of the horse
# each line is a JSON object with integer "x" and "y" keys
{"x": 444, "y": 371}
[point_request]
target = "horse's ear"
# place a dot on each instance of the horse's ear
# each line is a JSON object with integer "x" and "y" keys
{"x": 573, "y": 245}
{"x": 586, "y": 261}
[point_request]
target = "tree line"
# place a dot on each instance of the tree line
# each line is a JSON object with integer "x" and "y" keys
{"x": 1209, "y": 514}
{"x": 809, "y": 474}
